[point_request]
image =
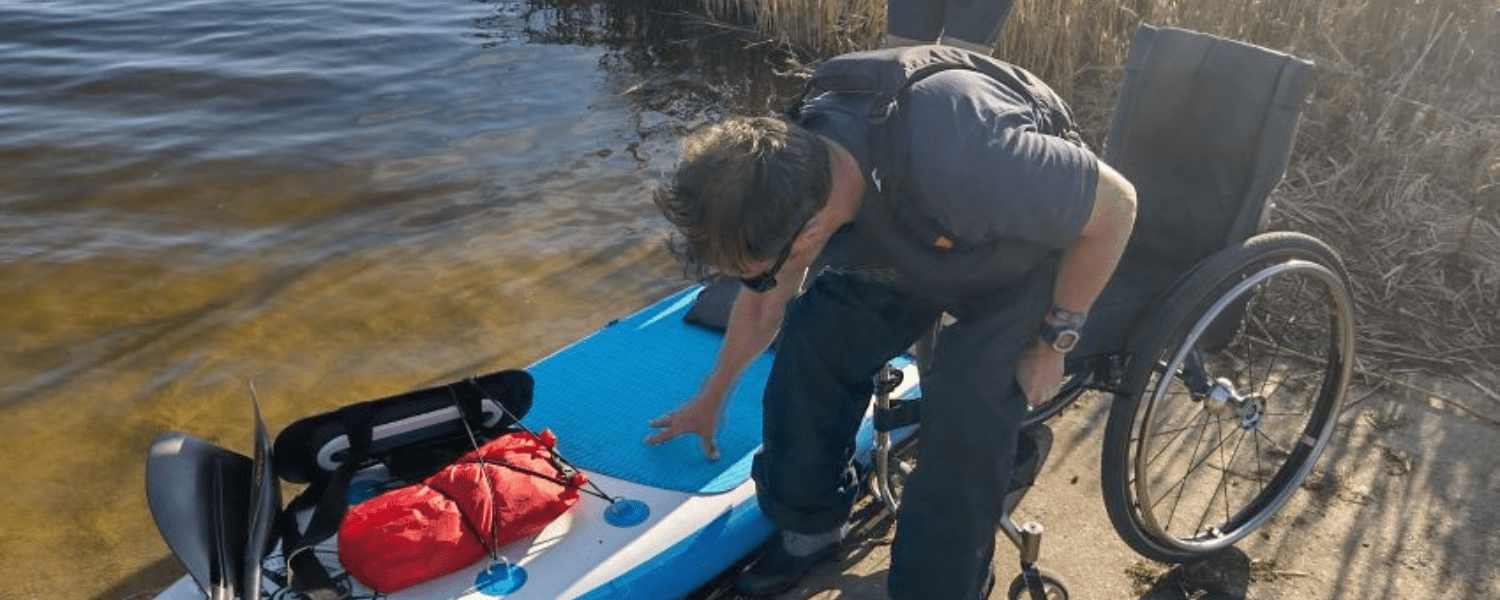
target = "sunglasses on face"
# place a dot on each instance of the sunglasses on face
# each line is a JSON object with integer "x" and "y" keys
{"x": 766, "y": 281}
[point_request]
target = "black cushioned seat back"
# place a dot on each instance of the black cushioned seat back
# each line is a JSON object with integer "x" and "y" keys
{"x": 1203, "y": 127}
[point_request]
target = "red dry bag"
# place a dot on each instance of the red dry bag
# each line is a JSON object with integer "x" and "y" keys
{"x": 510, "y": 488}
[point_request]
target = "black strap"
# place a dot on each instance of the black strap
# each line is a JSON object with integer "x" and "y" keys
{"x": 470, "y": 408}
{"x": 332, "y": 501}
{"x": 306, "y": 573}
{"x": 329, "y": 500}
{"x": 901, "y": 413}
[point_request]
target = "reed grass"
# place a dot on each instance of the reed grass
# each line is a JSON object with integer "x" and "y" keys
{"x": 815, "y": 26}
{"x": 1397, "y": 162}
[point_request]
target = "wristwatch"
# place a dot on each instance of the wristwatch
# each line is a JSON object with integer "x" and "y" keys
{"x": 1062, "y": 329}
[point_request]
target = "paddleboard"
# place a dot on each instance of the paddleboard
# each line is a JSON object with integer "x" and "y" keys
{"x": 674, "y": 520}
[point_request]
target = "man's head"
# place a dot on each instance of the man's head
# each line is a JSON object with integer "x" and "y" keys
{"x": 744, "y": 189}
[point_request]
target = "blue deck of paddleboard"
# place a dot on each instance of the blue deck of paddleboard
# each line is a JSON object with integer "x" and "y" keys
{"x": 598, "y": 395}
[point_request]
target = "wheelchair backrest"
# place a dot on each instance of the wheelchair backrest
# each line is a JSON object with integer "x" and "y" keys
{"x": 1203, "y": 127}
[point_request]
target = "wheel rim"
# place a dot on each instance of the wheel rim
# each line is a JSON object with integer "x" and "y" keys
{"x": 1223, "y": 442}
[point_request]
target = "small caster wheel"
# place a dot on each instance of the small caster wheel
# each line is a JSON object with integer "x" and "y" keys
{"x": 1050, "y": 586}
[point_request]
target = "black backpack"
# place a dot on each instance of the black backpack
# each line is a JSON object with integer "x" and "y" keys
{"x": 885, "y": 77}
{"x": 888, "y": 74}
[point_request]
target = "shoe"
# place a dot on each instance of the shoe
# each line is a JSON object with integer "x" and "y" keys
{"x": 1032, "y": 448}
{"x": 777, "y": 570}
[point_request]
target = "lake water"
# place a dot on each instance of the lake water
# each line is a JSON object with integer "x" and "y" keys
{"x": 335, "y": 199}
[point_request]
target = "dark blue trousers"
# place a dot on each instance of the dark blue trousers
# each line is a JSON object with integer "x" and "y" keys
{"x": 835, "y": 338}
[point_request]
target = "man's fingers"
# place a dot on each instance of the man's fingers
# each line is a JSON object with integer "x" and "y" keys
{"x": 1047, "y": 392}
{"x": 674, "y": 429}
{"x": 710, "y": 449}
{"x": 662, "y": 437}
{"x": 671, "y": 431}
{"x": 1026, "y": 388}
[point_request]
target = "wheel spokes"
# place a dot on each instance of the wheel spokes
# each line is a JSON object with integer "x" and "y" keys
{"x": 1193, "y": 464}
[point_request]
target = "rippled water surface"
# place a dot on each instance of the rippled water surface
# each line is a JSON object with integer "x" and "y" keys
{"x": 336, "y": 199}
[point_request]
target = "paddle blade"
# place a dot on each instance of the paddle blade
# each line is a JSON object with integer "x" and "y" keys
{"x": 265, "y": 495}
{"x": 199, "y": 496}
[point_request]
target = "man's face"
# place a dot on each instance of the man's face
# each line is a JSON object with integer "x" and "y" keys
{"x": 838, "y": 208}
{"x": 765, "y": 278}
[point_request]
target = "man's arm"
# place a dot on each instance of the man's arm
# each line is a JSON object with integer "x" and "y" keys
{"x": 753, "y": 324}
{"x": 1089, "y": 262}
{"x": 1086, "y": 267}
{"x": 756, "y": 317}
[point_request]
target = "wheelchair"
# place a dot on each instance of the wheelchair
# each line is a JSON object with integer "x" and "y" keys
{"x": 1227, "y": 350}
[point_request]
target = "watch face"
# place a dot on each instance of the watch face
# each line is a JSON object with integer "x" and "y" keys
{"x": 1065, "y": 341}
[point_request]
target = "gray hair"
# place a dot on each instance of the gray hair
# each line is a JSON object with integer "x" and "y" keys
{"x": 743, "y": 189}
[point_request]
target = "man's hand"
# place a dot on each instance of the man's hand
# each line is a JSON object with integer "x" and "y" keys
{"x": 1039, "y": 372}
{"x": 699, "y": 416}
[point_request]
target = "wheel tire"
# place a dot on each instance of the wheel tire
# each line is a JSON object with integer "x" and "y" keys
{"x": 1195, "y": 461}
{"x": 1052, "y": 587}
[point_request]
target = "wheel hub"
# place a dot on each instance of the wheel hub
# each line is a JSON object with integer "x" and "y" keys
{"x": 1224, "y": 401}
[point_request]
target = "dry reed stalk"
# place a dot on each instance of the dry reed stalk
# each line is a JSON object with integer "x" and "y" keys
{"x": 818, "y": 27}
{"x": 1399, "y": 157}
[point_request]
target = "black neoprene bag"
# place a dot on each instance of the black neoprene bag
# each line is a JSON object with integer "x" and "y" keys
{"x": 404, "y": 430}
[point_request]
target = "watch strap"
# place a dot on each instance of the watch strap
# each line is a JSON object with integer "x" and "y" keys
{"x": 1062, "y": 316}
{"x": 1062, "y": 328}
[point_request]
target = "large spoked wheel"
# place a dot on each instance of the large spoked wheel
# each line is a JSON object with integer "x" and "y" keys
{"x": 1229, "y": 397}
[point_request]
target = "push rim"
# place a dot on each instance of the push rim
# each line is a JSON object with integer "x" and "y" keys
{"x": 1221, "y": 444}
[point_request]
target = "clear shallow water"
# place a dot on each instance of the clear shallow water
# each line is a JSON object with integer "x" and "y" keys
{"x": 338, "y": 200}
